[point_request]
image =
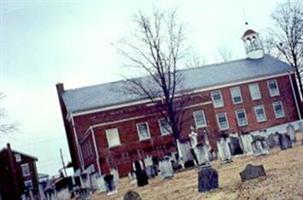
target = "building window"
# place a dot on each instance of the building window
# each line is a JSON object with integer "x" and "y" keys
{"x": 222, "y": 121}
{"x": 143, "y": 131}
{"x": 254, "y": 91}
{"x": 25, "y": 170}
{"x": 18, "y": 157}
{"x": 112, "y": 136}
{"x": 236, "y": 95}
{"x": 241, "y": 117}
{"x": 199, "y": 118}
{"x": 28, "y": 184}
{"x": 273, "y": 88}
{"x": 217, "y": 99}
{"x": 260, "y": 113}
{"x": 165, "y": 128}
{"x": 278, "y": 109}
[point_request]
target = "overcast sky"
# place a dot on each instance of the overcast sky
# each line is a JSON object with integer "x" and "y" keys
{"x": 45, "y": 42}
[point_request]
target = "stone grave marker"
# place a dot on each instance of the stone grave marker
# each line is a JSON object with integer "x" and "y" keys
{"x": 224, "y": 151}
{"x": 208, "y": 179}
{"x": 166, "y": 168}
{"x": 132, "y": 195}
{"x": 284, "y": 141}
{"x": 252, "y": 172}
{"x": 290, "y": 129}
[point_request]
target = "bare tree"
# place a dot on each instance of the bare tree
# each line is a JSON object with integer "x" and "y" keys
{"x": 157, "y": 50}
{"x": 286, "y": 41}
{"x": 5, "y": 127}
{"x": 224, "y": 54}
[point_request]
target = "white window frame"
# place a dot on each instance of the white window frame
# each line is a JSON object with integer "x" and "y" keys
{"x": 138, "y": 131}
{"x": 274, "y": 105}
{"x": 232, "y": 96}
{"x": 256, "y": 114}
{"x": 18, "y": 157}
{"x": 253, "y": 86}
{"x": 271, "y": 93}
{"x": 213, "y": 100}
{"x": 195, "y": 118}
{"x": 163, "y": 130}
{"x": 109, "y": 131}
{"x": 238, "y": 120}
{"x": 225, "y": 115}
{"x": 25, "y": 170}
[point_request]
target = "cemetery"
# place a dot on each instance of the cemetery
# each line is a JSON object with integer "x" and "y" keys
{"x": 271, "y": 168}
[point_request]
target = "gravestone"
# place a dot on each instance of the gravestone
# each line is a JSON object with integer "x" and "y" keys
{"x": 101, "y": 185}
{"x": 246, "y": 141}
{"x": 271, "y": 141}
{"x": 252, "y": 172}
{"x": 149, "y": 168}
{"x": 132, "y": 195}
{"x": 284, "y": 141}
{"x": 235, "y": 145}
{"x": 208, "y": 179}
{"x": 202, "y": 154}
{"x": 109, "y": 182}
{"x": 166, "y": 168}
{"x": 132, "y": 177}
{"x": 291, "y": 132}
{"x": 142, "y": 178}
{"x": 224, "y": 150}
{"x": 260, "y": 146}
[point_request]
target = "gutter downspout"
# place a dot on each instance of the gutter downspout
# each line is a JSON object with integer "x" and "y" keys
{"x": 96, "y": 150}
{"x": 77, "y": 143}
{"x": 295, "y": 96}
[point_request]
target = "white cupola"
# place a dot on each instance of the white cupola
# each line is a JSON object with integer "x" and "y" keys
{"x": 253, "y": 44}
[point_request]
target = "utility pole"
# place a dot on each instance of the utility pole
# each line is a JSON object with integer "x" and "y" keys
{"x": 63, "y": 164}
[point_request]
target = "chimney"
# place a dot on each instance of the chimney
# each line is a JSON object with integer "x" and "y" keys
{"x": 60, "y": 88}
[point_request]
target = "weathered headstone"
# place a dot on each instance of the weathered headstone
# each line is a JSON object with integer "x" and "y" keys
{"x": 208, "y": 179}
{"x": 291, "y": 132}
{"x": 284, "y": 141}
{"x": 246, "y": 141}
{"x": 235, "y": 145}
{"x": 271, "y": 141}
{"x": 142, "y": 178}
{"x": 132, "y": 195}
{"x": 260, "y": 146}
{"x": 166, "y": 168}
{"x": 202, "y": 154}
{"x": 224, "y": 150}
{"x": 149, "y": 168}
{"x": 252, "y": 172}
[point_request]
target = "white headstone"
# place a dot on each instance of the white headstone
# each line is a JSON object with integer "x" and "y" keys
{"x": 166, "y": 169}
{"x": 291, "y": 132}
{"x": 246, "y": 141}
{"x": 202, "y": 154}
{"x": 223, "y": 150}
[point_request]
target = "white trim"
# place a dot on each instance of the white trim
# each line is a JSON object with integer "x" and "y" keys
{"x": 256, "y": 114}
{"x": 198, "y": 104}
{"x": 75, "y": 114}
{"x": 236, "y": 89}
{"x": 238, "y": 120}
{"x": 212, "y": 98}
{"x": 25, "y": 169}
{"x": 167, "y": 132}
{"x": 217, "y": 117}
{"x": 274, "y": 104}
{"x": 269, "y": 90}
{"x": 295, "y": 96}
{"x": 203, "y": 114}
{"x": 106, "y": 134}
{"x": 79, "y": 149}
{"x": 96, "y": 150}
{"x": 251, "y": 92}
{"x": 138, "y": 131}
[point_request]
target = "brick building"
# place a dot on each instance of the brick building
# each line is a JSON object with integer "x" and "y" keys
{"x": 107, "y": 128}
{"x": 18, "y": 175}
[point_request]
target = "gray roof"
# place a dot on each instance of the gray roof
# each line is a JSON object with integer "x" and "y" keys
{"x": 108, "y": 94}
